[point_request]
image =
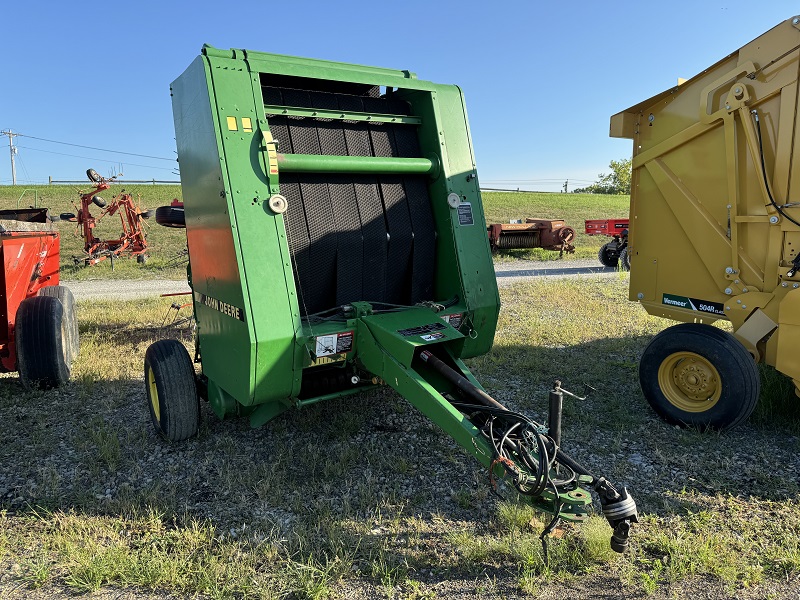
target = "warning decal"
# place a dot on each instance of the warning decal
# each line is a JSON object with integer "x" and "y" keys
{"x": 335, "y": 343}
{"x": 454, "y": 320}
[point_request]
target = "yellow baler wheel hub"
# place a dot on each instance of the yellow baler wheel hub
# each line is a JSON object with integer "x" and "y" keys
{"x": 151, "y": 386}
{"x": 689, "y": 382}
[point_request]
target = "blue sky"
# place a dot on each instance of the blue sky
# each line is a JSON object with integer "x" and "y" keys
{"x": 541, "y": 79}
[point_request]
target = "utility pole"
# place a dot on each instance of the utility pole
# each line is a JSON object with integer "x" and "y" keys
{"x": 13, "y": 151}
{"x": 566, "y": 186}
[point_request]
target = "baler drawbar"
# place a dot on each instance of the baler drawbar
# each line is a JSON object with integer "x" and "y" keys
{"x": 336, "y": 243}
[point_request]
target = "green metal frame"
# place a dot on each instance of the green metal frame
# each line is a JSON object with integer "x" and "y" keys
{"x": 253, "y": 343}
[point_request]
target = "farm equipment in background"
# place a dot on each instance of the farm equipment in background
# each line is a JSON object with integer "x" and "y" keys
{"x": 132, "y": 240}
{"x": 550, "y": 234}
{"x": 337, "y": 243}
{"x": 614, "y": 252}
{"x": 715, "y": 230}
{"x": 38, "y": 324}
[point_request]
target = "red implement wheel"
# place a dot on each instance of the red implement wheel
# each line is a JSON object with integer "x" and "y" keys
{"x": 42, "y": 343}
{"x": 64, "y": 295}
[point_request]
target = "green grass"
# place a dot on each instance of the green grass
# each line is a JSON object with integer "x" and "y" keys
{"x": 167, "y": 243}
{"x": 309, "y": 507}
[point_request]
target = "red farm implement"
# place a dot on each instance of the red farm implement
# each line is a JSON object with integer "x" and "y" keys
{"x": 38, "y": 326}
{"x": 132, "y": 240}
{"x": 614, "y": 252}
{"x": 533, "y": 233}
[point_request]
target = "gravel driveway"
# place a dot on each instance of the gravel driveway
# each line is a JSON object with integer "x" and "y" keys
{"x": 507, "y": 272}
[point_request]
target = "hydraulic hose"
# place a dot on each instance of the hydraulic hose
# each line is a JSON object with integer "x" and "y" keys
{"x": 619, "y": 508}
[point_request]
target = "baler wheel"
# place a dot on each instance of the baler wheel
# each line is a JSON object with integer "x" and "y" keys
{"x": 171, "y": 390}
{"x": 98, "y": 202}
{"x": 607, "y": 257}
{"x": 93, "y": 175}
{"x": 625, "y": 259}
{"x": 42, "y": 343}
{"x": 67, "y": 300}
{"x": 170, "y": 216}
{"x": 696, "y": 375}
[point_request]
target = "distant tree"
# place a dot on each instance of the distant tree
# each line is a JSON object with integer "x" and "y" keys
{"x": 616, "y": 182}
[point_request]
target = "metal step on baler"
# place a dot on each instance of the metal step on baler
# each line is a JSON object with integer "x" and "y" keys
{"x": 336, "y": 243}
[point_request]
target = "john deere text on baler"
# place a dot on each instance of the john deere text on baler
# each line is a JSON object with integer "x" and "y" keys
{"x": 337, "y": 242}
{"x": 715, "y": 229}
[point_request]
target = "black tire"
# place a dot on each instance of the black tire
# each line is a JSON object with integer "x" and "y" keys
{"x": 695, "y": 375}
{"x": 93, "y": 175}
{"x": 98, "y": 201}
{"x": 141, "y": 258}
{"x": 170, "y": 216}
{"x": 42, "y": 343}
{"x": 607, "y": 257}
{"x": 67, "y": 300}
{"x": 171, "y": 390}
{"x": 147, "y": 214}
{"x": 67, "y": 216}
{"x": 625, "y": 259}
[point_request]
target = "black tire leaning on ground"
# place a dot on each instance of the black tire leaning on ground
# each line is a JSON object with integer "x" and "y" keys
{"x": 170, "y": 216}
{"x": 171, "y": 390}
{"x": 67, "y": 300}
{"x": 606, "y": 258}
{"x": 625, "y": 259}
{"x": 42, "y": 342}
{"x": 697, "y": 375}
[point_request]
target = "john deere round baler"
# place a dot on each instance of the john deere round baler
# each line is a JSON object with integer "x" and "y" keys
{"x": 337, "y": 242}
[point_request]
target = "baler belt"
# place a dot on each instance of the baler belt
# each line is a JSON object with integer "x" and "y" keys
{"x": 338, "y": 237}
{"x": 373, "y": 231}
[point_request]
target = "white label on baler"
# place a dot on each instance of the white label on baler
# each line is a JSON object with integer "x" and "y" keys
{"x": 334, "y": 343}
{"x": 326, "y": 345}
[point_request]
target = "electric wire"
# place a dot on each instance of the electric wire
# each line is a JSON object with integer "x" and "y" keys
{"x": 93, "y": 158}
{"x": 94, "y": 148}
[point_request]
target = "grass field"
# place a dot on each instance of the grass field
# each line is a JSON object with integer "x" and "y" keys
{"x": 166, "y": 244}
{"x": 362, "y": 497}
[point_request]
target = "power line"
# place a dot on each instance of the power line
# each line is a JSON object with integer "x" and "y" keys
{"x": 93, "y": 148}
{"x": 97, "y": 159}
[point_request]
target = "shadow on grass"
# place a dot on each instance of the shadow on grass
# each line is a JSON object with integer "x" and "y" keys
{"x": 368, "y": 475}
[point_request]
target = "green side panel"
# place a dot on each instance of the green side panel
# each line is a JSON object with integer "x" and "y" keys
{"x": 464, "y": 259}
{"x": 236, "y": 244}
{"x": 225, "y": 342}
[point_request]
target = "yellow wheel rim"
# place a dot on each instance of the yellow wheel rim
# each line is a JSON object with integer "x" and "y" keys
{"x": 151, "y": 386}
{"x": 689, "y": 382}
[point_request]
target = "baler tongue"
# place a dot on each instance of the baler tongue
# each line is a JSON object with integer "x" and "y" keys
{"x": 411, "y": 350}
